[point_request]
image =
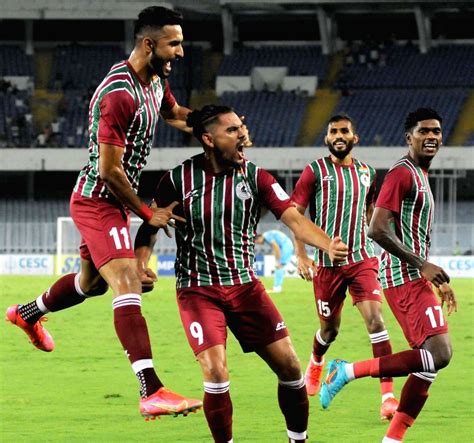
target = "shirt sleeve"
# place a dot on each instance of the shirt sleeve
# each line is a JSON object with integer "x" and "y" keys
{"x": 117, "y": 109}
{"x": 272, "y": 194}
{"x": 168, "y": 98}
{"x": 396, "y": 186}
{"x": 305, "y": 187}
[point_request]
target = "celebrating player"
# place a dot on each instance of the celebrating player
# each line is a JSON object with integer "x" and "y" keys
{"x": 343, "y": 190}
{"x": 401, "y": 224}
{"x": 220, "y": 195}
{"x": 123, "y": 114}
{"x": 283, "y": 250}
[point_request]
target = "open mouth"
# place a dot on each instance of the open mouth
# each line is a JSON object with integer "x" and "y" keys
{"x": 240, "y": 151}
{"x": 430, "y": 146}
{"x": 339, "y": 144}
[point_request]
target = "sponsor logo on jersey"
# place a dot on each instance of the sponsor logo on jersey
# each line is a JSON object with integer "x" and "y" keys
{"x": 243, "y": 191}
{"x": 328, "y": 178}
{"x": 376, "y": 292}
{"x": 365, "y": 180}
{"x": 280, "y": 192}
{"x": 422, "y": 188}
{"x": 280, "y": 325}
{"x": 191, "y": 194}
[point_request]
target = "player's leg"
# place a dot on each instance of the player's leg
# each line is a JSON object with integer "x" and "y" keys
{"x": 217, "y": 401}
{"x": 280, "y": 272}
{"x": 329, "y": 293}
{"x": 415, "y": 391}
{"x": 70, "y": 290}
{"x": 122, "y": 276}
{"x": 258, "y": 325}
{"x": 419, "y": 314}
{"x": 292, "y": 396}
{"x": 279, "y": 275}
{"x": 372, "y": 314}
{"x": 205, "y": 326}
{"x": 366, "y": 295}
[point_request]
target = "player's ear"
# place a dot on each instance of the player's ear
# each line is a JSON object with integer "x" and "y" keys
{"x": 207, "y": 139}
{"x": 325, "y": 139}
{"x": 356, "y": 138}
{"x": 408, "y": 138}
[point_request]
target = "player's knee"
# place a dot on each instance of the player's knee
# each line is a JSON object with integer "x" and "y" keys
{"x": 442, "y": 357}
{"x": 97, "y": 289}
{"x": 375, "y": 324}
{"x": 329, "y": 334}
{"x": 291, "y": 369}
{"x": 216, "y": 372}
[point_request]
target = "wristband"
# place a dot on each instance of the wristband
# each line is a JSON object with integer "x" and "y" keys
{"x": 144, "y": 212}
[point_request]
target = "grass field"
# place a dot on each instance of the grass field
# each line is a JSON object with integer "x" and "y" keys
{"x": 85, "y": 390}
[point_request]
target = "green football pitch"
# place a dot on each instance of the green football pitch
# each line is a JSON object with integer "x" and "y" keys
{"x": 85, "y": 390}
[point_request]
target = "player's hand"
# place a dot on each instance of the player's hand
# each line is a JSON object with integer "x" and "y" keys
{"x": 148, "y": 279}
{"x": 433, "y": 273}
{"x": 247, "y": 141}
{"x": 278, "y": 265}
{"x": 446, "y": 294}
{"x": 306, "y": 267}
{"x": 164, "y": 217}
{"x": 338, "y": 250}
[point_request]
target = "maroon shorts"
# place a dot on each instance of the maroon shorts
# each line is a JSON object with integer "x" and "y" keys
{"x": 206, "y": 311}
{"x": 417, "y": 310}
{"x": 331, "y": 283}
{"x": 104, "y": 228}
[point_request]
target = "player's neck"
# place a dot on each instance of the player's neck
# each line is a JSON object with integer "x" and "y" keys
{"x": 422, "y": 162}
{"x": 346, "y": 161}
{"x": 140, "y": 67}
{"x": 213, "y": 166}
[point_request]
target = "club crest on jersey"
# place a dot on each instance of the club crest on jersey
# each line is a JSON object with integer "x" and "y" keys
{"x": 242, "y": 191}
{"x": 365, "y": 180}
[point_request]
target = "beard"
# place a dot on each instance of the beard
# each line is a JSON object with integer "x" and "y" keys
{"x": 340, "y": 153}
{"x": 229, "y": 162}
{"x": 157, "y": 66}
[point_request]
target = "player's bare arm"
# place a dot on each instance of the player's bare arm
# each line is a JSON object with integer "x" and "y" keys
{"x": 381, "y": 232}
{"x": 446, "y": 294}
{"x": 111, "y": 171}
{"x": 305, "y": 265}
{"x": 176, "y": 117}
{"x": 369, "y": 213}
{"x": 307, "y": 232}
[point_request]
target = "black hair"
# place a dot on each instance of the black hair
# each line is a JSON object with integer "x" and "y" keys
{"x": 421, "y": 114}
{"x": 200, "y": 119}
{"x": 342, "y": 116}
{"x": 155, "y": 17}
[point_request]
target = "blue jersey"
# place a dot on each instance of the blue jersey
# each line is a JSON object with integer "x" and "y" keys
{"x": 283, "y": 241}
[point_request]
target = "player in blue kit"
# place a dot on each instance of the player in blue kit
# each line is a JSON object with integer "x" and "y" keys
{"x": 283, "y": 250}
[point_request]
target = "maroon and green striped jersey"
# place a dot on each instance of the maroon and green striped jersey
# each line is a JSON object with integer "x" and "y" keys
{"x": 216, "y": 244}
{"x": 123, "y": 112}
{"x": 338, "y": 197}
{"x": 407, "y": 194}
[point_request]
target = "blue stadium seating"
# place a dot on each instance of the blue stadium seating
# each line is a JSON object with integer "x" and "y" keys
{"x": 267, "y": 115}
{"x": 301, "y": 60}
{"x": 15, "y": 119}
{"x": 81, "y": 66}
{"x": 443, "y": 66}
{"x": 14, "y": 61}
{"x": 379, "y": 114}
